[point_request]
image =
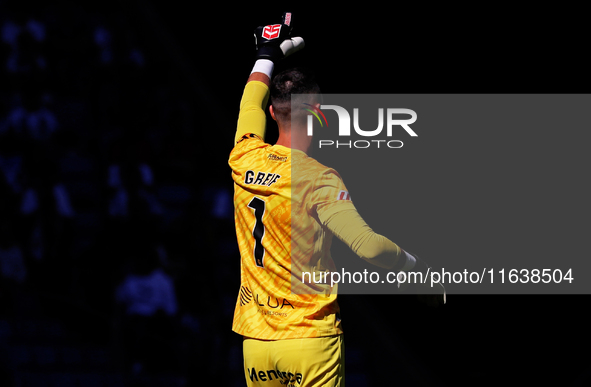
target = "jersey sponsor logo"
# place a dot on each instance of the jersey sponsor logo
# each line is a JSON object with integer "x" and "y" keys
{"x": 285, "y": 378}
{"x": 271, "y": 302}
{"x": 273, "y": 157}
{"x": 271, "y": 31}
{"x": 261, "y": 178}
{"x": 274, "y": 303}
{"x": 272, "y": 313}
{"x": 343, "y": 195}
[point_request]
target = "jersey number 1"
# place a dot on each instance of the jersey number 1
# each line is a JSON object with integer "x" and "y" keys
{"x": 258, "y": 205}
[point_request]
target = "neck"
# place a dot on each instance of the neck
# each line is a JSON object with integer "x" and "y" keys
{"x": 289, "y": 139}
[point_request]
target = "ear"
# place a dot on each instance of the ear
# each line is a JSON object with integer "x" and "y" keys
{"x": 272, "y": 112}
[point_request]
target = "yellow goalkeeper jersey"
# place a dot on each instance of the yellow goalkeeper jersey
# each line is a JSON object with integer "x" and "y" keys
{"x": 279, "y": 232}
{"x": 287, "y": 208}
{"x": 280, "y": 236}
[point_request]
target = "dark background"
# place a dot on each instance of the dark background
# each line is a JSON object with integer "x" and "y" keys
{"x": 175, "y": 111}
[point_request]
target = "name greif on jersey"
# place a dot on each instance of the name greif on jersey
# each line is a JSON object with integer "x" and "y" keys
{"x": 261, "y": 178}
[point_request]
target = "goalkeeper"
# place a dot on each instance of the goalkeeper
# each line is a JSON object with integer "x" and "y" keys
{"x": 284, "y": 225}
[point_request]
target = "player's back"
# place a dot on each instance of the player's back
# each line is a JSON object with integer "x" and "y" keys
{"x": 278, "y": 238}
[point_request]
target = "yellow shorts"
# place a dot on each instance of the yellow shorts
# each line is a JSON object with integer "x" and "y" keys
{"x": 295, "y": 362}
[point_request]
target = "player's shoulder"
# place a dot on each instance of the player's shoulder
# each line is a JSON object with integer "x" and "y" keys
{"x": 249, "y": 139}
{"x": 308, "y": 168}
{"x": 246, "y": 144}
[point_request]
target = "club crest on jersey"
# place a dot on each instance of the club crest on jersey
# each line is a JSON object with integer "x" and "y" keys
{"x": 271, "y": 31}
{"x": 343, "y": 195}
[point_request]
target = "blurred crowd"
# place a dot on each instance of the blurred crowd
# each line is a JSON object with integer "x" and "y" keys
{"x": 105, "y": 226}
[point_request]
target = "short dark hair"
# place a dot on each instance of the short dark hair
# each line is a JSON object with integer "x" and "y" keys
{"x": 292, "y": 81}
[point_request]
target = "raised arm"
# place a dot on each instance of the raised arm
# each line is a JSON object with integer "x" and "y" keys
{"x": 252, "y": 118}
{"x": 273, "y": 43}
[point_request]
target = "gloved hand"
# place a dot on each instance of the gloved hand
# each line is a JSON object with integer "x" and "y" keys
{"x": 274, "y": 41}
{"x": 431, "y": 295}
